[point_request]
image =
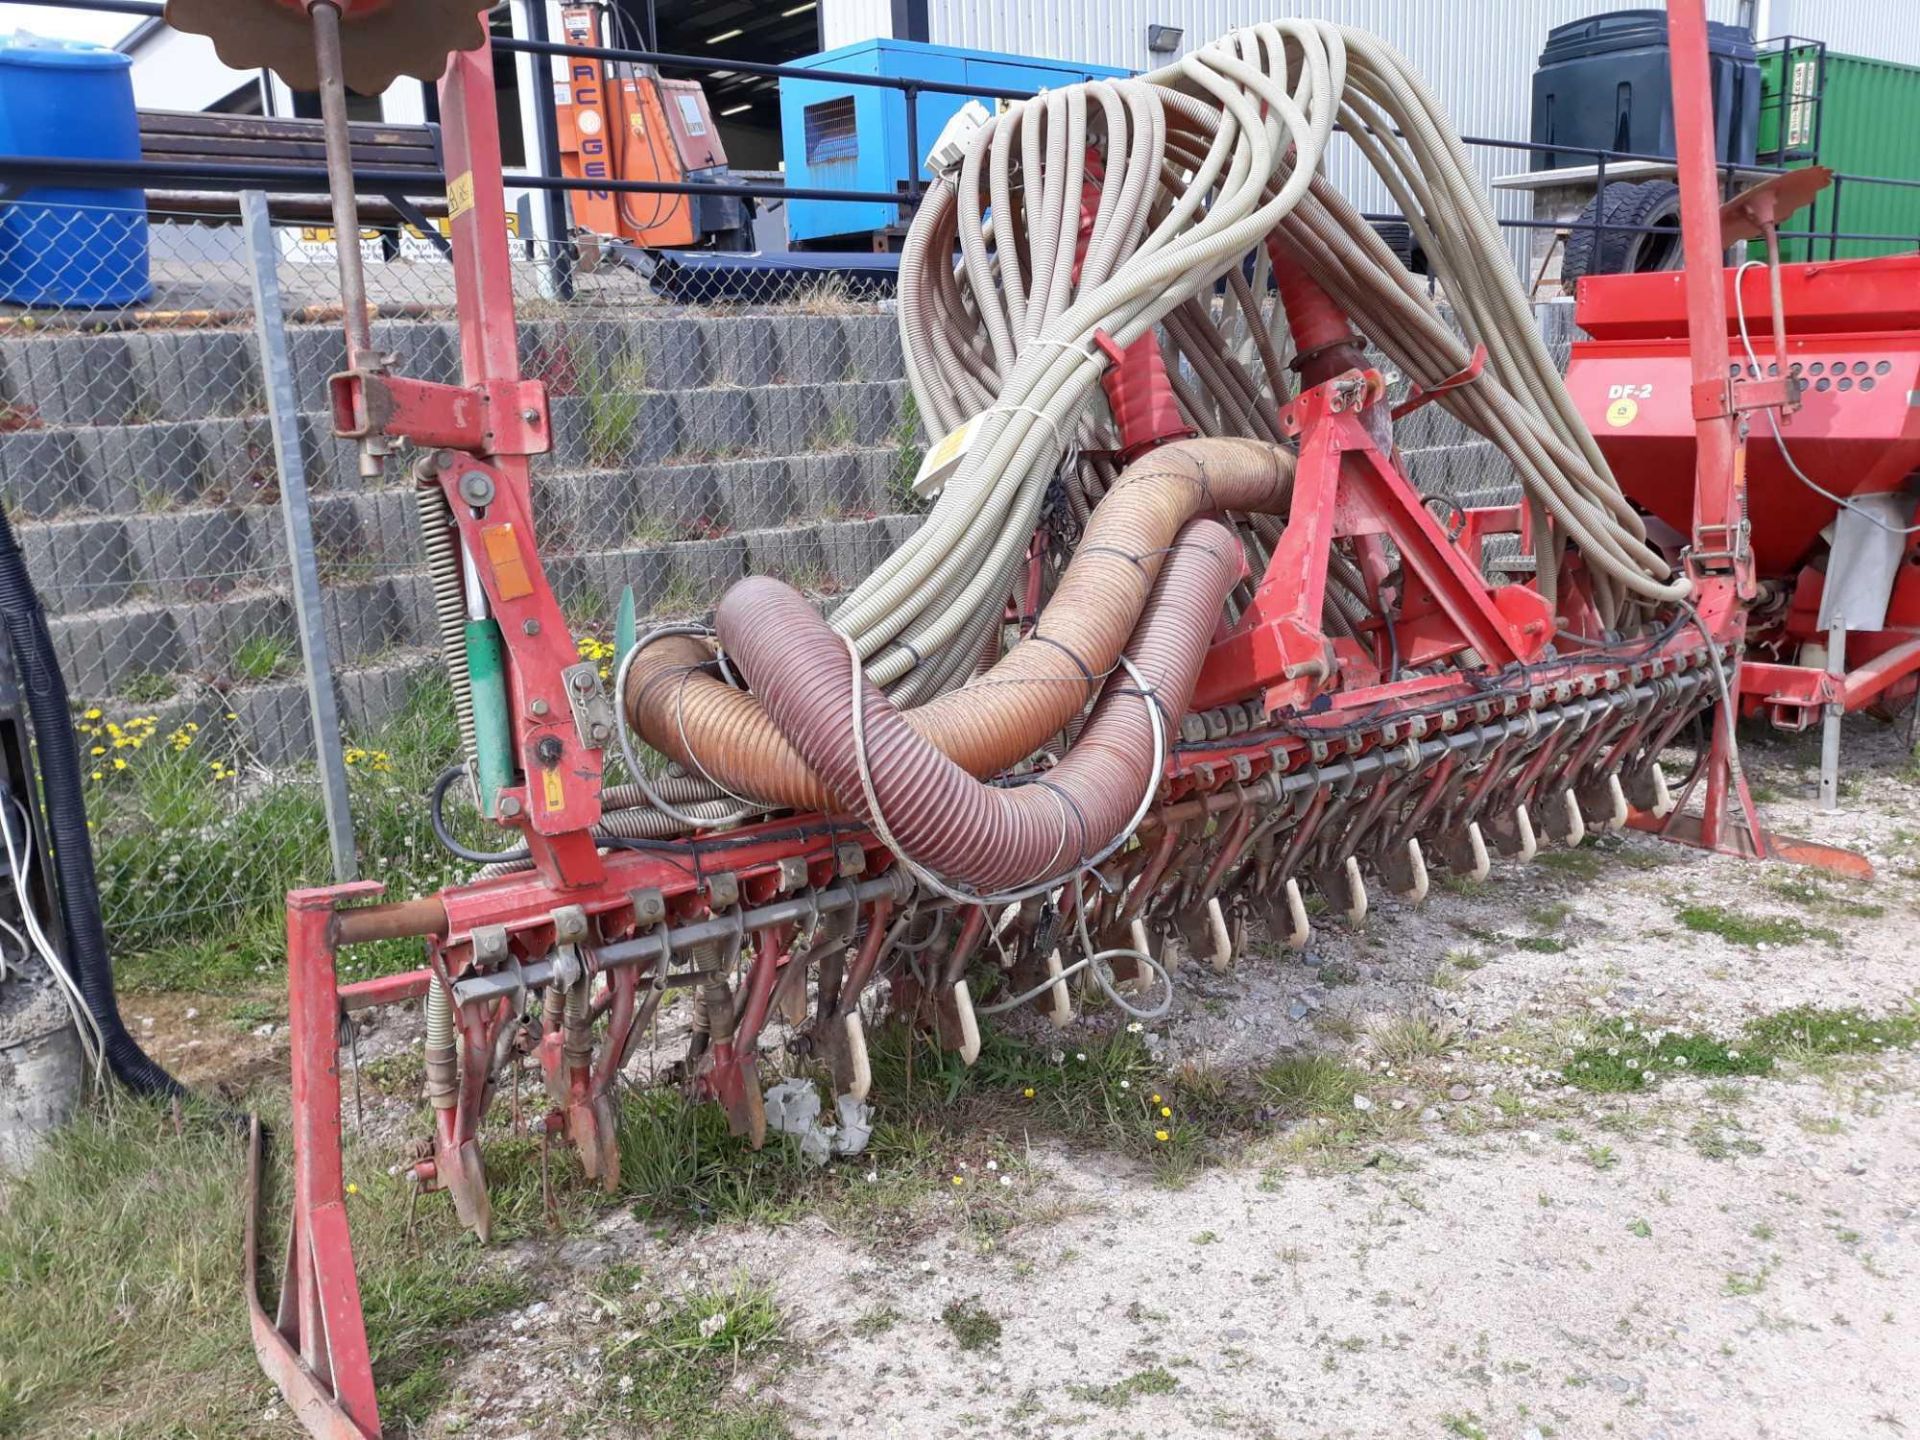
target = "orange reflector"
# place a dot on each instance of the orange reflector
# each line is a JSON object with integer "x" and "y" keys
{"x": 510, "y": 576}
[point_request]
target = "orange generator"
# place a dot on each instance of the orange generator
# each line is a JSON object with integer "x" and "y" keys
{"x": 625, "y": 123}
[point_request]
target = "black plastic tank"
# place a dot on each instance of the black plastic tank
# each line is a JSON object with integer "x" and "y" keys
{"x": 1603, "y": 83}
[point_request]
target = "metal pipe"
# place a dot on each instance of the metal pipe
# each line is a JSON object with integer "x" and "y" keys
{"x": 346, "y": 209}
{"x": 895, "y": 885}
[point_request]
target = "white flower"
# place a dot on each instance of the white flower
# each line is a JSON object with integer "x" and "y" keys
{"x": 1080, "y": 1055}
{"x": 1126, "y": 1085}
{"x": 713, "y": 1324}
{"x": 1135, "y": 1028}
{"x": 1006, "y": 1180}
{"x": 993, "y": 1164}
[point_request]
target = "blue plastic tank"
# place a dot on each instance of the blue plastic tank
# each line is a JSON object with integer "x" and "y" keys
{"x": 70, "y": 246}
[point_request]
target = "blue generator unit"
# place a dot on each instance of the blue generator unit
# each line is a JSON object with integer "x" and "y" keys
{"x": 854, "y": 137}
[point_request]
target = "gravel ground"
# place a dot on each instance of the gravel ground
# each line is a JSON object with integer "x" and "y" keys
{"x": 1503, "y": 1257}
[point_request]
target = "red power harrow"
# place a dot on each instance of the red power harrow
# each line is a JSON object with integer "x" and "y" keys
{"x": 1305, "y": 762}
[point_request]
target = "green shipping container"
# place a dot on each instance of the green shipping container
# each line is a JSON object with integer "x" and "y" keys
{"x": 1857, "y": 117}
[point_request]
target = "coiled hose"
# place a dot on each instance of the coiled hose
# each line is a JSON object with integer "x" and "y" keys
{"x": 59, "y": 756}
{"x": 987, "y": 836}
{"x": 1036, "y": 688}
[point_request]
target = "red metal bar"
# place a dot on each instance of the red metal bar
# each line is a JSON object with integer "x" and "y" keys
{"x": 316, "y": 1350}
{"x": 1717, "y": 467}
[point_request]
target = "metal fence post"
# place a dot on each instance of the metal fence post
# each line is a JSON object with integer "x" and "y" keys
{"x": 283, "y": 411}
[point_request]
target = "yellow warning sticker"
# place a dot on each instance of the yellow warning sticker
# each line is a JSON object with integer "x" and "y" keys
{"x": 555, "y": 791}
{"x": 1622, "y": 412}
{"x": 459, "y": 195}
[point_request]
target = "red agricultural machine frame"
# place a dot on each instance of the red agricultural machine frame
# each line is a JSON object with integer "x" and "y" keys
{"x": 1244, "y": 806}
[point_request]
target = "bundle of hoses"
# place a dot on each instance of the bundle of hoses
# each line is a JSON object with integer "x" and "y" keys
{"x": 1069, "y": 227}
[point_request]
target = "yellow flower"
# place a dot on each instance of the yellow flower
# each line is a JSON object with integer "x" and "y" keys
{"x": 1166, "y": 1111}
{"x": 1156, "y": 1099}
{"x": 98, "y": 775}
{"x": 119, "y": 764}
{"x": 352, "y": 1189}
{"x": 1028, "y": 1092}
{"x": 98, "y": 750}
{"x": 94, "y": 713}
{"x": 958, "y": 1180}
{"x": 1161, "y": 1135}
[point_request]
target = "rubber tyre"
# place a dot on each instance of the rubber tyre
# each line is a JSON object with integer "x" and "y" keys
{"x": 1628, "y": 251}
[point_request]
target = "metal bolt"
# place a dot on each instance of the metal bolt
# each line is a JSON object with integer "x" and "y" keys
{"x": 509, "y": 807}
{"x": 529, "y": 627}
{"x": 539, "y": 707}
{"x": 582, "y": 681}
{"x": 598, "y": 730}
{"x": 476, "y": 487}
{"x": 549, "y": 750}
{"x": 530, "y": 415}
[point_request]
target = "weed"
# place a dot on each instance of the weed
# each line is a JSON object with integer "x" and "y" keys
{"x": 262, "y": 657}
{"x": 876, "y": 1322}
{"x": 1311, "y": 1084}
{"x": 207, "y": 912}
{"x": 1463, "y": 959}
{"x": 840, "y": 431}
{"x": 1409, "y": 1039}
{"x": 1602, "y": 1157}
{"x": 1640, "y": 1228}
{"x": 614, "y": 406}
{"x": 1750, "y": 1282}
{"x": 1541, "y": 944}
{"x": 974, "y": 1327}
{"x": 1467, "y": 1426}
{"x": 150, "y": 687}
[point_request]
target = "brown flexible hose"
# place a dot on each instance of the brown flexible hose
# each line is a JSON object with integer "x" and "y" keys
{"x": 1001, "y": 717}
{"x": 963, "y": 829}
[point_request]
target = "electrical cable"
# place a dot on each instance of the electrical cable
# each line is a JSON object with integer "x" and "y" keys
{"x": 1773, "y": 420}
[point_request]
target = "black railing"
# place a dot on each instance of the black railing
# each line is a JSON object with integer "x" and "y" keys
{"x": 312, "y": 179}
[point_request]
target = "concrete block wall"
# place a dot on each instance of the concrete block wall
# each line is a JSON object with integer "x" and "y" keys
{"x": 688, "y": 450}
{"x": 139, "y": 470}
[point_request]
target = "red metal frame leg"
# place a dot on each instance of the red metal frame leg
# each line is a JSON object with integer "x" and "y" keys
{"x": 316, "y": 1351}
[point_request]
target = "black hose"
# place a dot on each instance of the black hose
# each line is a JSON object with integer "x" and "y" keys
{"x": 59, "y": 756}
{"x": 437, "y": 814}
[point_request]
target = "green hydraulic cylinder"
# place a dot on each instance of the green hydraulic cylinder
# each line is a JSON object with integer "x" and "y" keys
{"x": 492, "y": 736}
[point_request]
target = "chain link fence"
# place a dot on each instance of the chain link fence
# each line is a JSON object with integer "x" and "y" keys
{"x": 765, "y": 430}
{"x": 702, "y": 429}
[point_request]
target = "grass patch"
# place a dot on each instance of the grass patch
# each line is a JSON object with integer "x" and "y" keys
{"x": 1751, "y": 931}
{"x": 1808, "y": 1030}
{"x": 1105, "y": 1090}
{"x": 1585, "y": 863}
{"x": 674, "y": 1372}
{"x": 119, "y": 1258}
{"x": 196, "y": 843}
{"x": 1123, "y": 1392}
{"x": 1623, "y": 1056}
